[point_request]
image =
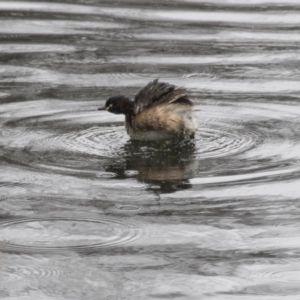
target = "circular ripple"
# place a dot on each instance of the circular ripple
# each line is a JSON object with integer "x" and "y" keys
{"x": 104, "y": 141}
{"x": 9, "y": 274}
{"x": 225, "y": 130}
{"x": 106, "y": 175}
{"x": 55, "y": 234}
{"x": 14, "y": 137}
{"x": 199, "y": 75}
{"x": 278, "y": 273}
{"x": 213, "y": 143}
{"x": 289, "y": 276}
{"x": 6, "y": 132}
{"x": 125, "y": 209}
{"x": 13, "y": 273}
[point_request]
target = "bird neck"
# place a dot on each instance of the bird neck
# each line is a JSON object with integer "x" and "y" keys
{"x": 125, "y": 106}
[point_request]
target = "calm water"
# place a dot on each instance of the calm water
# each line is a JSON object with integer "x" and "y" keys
{"x": 87, "y": 214}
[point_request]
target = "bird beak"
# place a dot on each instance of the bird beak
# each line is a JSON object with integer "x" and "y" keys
{"x": 102, "y": 108}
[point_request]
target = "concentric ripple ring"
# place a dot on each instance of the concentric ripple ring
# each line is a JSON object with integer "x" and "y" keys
{"x": 104, "y": 232}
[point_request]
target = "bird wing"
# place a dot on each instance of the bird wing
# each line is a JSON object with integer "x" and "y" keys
{"x": 156, "y": 93}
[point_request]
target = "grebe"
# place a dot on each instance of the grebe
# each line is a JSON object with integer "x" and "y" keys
{"x": 159, "y": 111}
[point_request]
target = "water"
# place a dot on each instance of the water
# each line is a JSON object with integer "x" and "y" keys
{"x": 87, "y": 214}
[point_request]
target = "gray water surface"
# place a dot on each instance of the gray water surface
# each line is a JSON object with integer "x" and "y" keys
{"x": 85, "y": 213}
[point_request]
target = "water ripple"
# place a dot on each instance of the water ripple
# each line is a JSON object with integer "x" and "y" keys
{"x": 216, "y": 217}
{"x": 289, "y": 18}
{"x": 16, "y": 48}
{"x": 214, "y": 143}
{"x": 125, "y": 209}
{"x": 104, "y": 141}
{"x": 267, "y": 85}
{"x": 242, "y": 3}
{"x": 54, "y": 27}
{"x": 41, "y": 272}
{"x": 55, "y": 234}
{"x": 278, "y": 273}
{"x": 222, "y": 36}
{"x": 236, "y": 58}
{"x": 270, "y": 174}
{"x": 222, "y": 134}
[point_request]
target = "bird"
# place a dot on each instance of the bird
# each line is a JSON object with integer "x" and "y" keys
{"x": 159, "y": 111}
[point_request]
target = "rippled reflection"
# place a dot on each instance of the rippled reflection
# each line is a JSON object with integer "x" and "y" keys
{"x": 85, "y": 213}
{"x": 164, "y": 166}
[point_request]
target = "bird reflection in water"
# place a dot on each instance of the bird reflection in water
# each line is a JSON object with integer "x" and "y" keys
{"x": 164, "y": 166}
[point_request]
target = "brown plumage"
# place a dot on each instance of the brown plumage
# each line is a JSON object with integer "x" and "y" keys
{"x": 159, "y": 111}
